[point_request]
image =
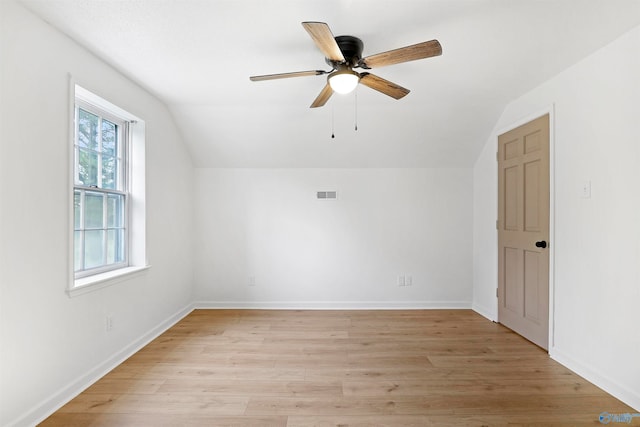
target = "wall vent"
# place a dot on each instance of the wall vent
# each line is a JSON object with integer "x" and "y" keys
{"x": 327, "y": 195}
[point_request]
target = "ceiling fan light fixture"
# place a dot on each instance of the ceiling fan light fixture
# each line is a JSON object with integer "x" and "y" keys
{"x": 343, "y": 81}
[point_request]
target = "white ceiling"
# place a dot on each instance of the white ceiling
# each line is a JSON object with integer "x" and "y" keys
{"x": 197, "y": 56}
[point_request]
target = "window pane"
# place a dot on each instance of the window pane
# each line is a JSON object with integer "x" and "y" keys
{"x": 77, "y": 209}
{"x": 109, "y": 172}
{"x": 87, "y": 129}
{"x": 93, "y": 210}
{"x": 111, "y": 248}
{"x": 77, "y": 250}
{"x": 109, "y": 138}
{"x": 120, "y": 248}
{"x": 115, "y": 210}
{"x": 87, "y": 167}
{"x": 115, "y": 246}
{"x": 93, "y": 248}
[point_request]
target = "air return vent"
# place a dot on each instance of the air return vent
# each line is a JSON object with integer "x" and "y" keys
{"x": 327, "y": 195}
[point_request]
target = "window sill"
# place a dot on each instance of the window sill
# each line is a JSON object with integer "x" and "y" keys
{"x": 102, "y": 280}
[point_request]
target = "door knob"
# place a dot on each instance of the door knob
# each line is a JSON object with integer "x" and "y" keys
{"x": 541, "y": 244}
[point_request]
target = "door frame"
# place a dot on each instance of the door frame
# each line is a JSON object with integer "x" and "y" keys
{"x": 550, "y": 110}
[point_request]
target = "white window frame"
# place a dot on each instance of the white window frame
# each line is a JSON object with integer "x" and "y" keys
{"x": 134, "y": 187}
{"x": 122, "y": 179}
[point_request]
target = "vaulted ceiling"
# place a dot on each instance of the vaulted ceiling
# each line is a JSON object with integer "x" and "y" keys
{"x": 197, "y": 56}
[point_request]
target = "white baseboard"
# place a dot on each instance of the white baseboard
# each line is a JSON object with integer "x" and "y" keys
{"x": 55, "y": 402}
{"x": 333, "y": 305}
{"x": 614, "y": 388}
{"x": 485, "y": 312}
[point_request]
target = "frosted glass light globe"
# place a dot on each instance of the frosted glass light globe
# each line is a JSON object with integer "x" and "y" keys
{"x": 343, "y": 81}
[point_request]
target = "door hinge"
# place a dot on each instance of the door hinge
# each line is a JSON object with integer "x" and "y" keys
{"x": 497, "y": 156}
{"x": 497, "y": 294}
{"x": 497, "y": 224}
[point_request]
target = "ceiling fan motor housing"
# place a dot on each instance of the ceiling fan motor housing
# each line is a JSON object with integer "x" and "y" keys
{"x": 351, "y": 48}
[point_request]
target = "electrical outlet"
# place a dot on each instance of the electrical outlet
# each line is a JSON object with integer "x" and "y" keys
{"x": 252, "y": 280}
{"x": 401, "y": 281}
{"x": 108, "y": 323}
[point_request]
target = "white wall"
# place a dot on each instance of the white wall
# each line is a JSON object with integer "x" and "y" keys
{"x": 303, "y": 252}
{"x": 52, "y": 345}
{"x": 597, "y": 240}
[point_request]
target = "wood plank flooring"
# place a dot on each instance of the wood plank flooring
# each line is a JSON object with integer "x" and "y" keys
{"x": 338, "y": 368}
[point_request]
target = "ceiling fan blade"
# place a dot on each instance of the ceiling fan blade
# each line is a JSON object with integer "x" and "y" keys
{"x": 324, "y": 96}
{"x": 323, "y": 38}
{"x": 403, "y": 54}
{"x": 381, "y": 85}
{"x": 287, "y": 75}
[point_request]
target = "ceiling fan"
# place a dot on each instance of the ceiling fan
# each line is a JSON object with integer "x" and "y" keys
{"x": 344, "y": 53}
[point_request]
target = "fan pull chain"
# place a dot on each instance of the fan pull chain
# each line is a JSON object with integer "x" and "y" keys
{"x": 356, "y": 108}
{"x": 333, "y": 135}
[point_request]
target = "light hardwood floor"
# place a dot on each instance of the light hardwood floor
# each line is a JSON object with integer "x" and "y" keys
{"x": 338, "y": 368}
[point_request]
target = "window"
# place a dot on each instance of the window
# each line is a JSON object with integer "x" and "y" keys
{"x": 108, "y": 215}
{"x": 100, "y": 192}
